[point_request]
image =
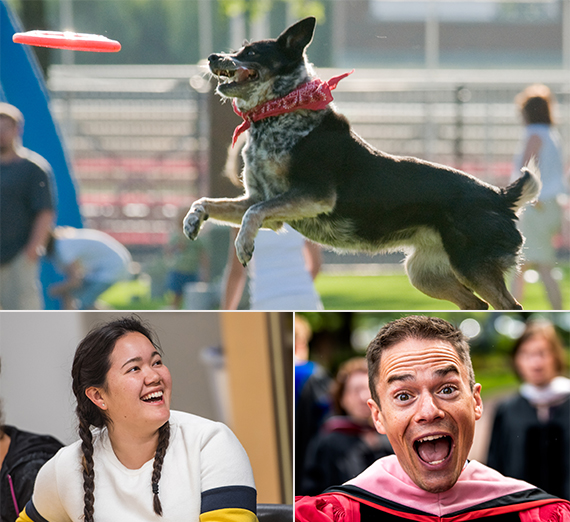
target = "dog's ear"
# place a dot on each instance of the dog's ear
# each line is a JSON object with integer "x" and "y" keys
{"x": 298, "y": 36}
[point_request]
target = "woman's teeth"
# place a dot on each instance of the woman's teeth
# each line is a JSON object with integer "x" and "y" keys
{"x": 152, "y": 396}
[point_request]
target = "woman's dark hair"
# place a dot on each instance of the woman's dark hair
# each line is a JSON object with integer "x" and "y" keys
{"x": 90, "y": 367}
{"x": 535, "y": 103}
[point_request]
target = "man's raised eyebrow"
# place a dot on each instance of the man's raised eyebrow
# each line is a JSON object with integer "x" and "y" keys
{"x": 400, "y": 377}
{"x": 443, "y": 372}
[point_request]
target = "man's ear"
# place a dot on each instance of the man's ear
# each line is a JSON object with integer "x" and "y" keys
{"x": 477, "y": 401}
{"x": 94, "y": 395}
{"x": 376, "y": 416}
{"x": 298, "y": 36}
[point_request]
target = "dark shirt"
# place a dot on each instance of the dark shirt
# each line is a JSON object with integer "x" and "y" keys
{"x": 26, "y": 189}
{"x": 539, "y": 452}
{"x": 311, "y": 408}
{"x": 26, "y": 455}
{"x": 339, "y": 453}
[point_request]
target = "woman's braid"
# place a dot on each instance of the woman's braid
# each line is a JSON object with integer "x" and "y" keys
{"x": 88, "y": 472}
{"x": 163, "y": 440}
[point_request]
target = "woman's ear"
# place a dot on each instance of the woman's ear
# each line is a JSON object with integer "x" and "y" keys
{"x": 94, "y": 395}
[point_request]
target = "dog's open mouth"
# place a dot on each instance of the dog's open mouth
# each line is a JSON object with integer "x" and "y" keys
{"x": 434, "y": 449}
{"x": 239, "y": 75}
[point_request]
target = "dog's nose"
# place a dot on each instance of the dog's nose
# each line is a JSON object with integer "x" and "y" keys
{"x": 213, "y": 58}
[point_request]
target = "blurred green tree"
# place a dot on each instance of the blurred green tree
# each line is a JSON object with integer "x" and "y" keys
{"x": 166, "y": 31}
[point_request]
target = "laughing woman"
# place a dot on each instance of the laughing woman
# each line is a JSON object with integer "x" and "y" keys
{"x": 137, "y": 460}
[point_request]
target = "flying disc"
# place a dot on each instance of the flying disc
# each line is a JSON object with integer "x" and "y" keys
{"x": 68, "y": 40}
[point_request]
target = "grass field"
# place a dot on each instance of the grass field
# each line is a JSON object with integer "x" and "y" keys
{"x": 394, "y": 292}
{"x": 343, "y": 292}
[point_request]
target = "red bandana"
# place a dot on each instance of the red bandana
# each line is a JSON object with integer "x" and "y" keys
{"x": 314, "y": 95}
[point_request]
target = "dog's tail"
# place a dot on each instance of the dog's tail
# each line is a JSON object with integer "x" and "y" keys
{"x": 525, "y": 189}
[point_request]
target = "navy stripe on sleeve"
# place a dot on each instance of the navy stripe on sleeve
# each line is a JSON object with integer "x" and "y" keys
{"x": 242, "y": 497}
{"x": 32, "y": 513}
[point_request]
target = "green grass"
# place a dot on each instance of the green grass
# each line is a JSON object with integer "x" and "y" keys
{"x": 131, "y": 295}
{"x": 394, "y": 292}
{"x": 339, "y": 292}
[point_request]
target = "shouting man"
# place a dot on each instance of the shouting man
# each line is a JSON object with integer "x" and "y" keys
{"x": 426, "y": 400}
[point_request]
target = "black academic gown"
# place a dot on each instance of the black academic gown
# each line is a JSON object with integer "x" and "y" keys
{"x": 522, "y": 447}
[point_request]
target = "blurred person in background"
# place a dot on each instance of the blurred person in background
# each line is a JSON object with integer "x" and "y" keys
{"x": 91, "y": 262}
{"x": 22, "y": 454}
{"x": 27, "y": 212}
{"x": 312, "y": 395}
{"x": 347, "y": 442}
{"x": 530, "y": 439}
{"x": 188, "y": 261}
{"x": 281, "y": 273}
{"x": 541, "y": 222}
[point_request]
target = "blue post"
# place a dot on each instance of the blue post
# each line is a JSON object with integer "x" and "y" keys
{"x": 22, "y": 84}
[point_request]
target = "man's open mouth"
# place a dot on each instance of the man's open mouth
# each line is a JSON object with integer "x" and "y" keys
{"x": 434, "y": 449}
{"x": 152, "y": 397}
{"x": 239, "y": 75}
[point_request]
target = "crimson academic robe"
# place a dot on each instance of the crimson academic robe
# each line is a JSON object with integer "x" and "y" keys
{"x": 385, "y": 493}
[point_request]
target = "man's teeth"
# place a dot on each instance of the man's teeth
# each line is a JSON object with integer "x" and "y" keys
{"x": 154, "y": 395}
{"x": 433, "y": 450}
{"x": 431, "y": 437}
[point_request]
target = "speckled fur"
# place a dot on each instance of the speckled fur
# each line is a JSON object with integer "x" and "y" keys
{"x": 268, "y": 150}
{"x": 308, "y": 168}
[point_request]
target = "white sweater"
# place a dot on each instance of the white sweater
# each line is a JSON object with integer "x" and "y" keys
{"x": 205, "y": 469}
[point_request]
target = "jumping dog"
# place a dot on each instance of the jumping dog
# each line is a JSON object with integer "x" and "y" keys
{"x": 305, "y": 166}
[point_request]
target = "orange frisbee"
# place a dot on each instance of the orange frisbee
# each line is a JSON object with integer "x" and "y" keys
{"x": 68, "y": 40}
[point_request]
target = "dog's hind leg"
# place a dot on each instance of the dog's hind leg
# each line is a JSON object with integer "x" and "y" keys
{"x": 430, "y": 272}
{"x": 489, "y": 283}
{"x": 482, "y": 268}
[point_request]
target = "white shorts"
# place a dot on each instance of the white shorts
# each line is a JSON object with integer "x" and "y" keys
{"x": 539, "y": 224}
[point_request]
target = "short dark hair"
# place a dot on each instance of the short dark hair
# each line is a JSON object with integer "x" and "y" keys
{"x": 415, "y": 327}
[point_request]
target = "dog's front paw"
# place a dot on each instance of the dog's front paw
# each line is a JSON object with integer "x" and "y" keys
{"x": 193, "y": 221}
{"x": 244, "y": 248}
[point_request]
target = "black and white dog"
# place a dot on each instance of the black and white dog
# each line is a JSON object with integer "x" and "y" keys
{"x": 305, "y": 166}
